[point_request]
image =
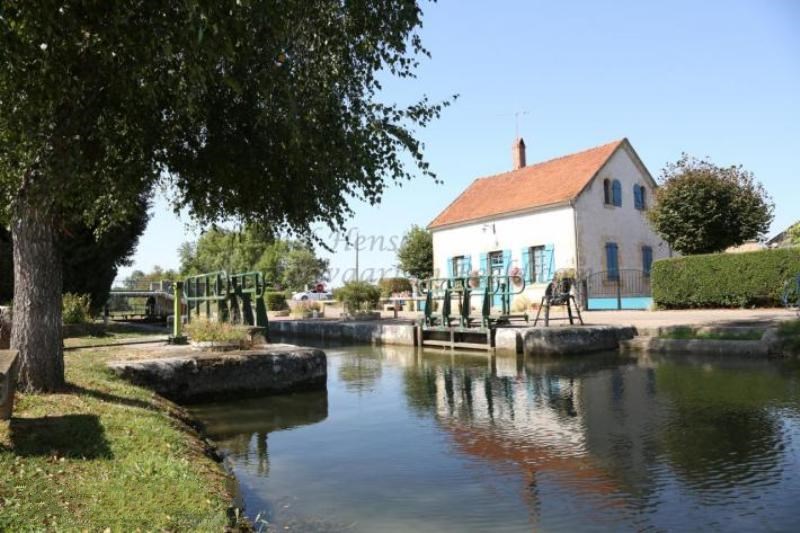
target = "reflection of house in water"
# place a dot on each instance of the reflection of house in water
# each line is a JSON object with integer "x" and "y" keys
{"x": 550, "y": 419}
{"x": 614, "y": 437}
{"x": 241, "y": 427}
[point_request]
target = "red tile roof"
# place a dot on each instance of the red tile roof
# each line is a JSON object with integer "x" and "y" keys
{"x": 550, "y": 182}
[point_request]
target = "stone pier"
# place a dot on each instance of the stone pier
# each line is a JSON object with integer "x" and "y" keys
{"x": 188, "y": 375}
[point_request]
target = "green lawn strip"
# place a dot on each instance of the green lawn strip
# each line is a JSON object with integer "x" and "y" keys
{"x": 115, "y": 334}
{"x": 104, "y": 455}
{"x": 689, "y": 334}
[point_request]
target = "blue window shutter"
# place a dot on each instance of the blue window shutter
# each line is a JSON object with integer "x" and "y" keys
{"x": 612, "y": 265}
{"x": 647, "y": 259}
{"x": 506, "y": 262}
{"x": 642, "y": 196}
{"x": 526, "y": 265}
{"x": 449, "y": 267}
{"x": 637, "y": 196}
{"x": 467, "y": 265}
{"x": 548, "y": 263}
{"x": 616, "y": 189}
{"x": 483, "y": 268}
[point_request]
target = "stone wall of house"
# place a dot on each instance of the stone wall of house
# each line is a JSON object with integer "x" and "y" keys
{"x": 599, "y": 223}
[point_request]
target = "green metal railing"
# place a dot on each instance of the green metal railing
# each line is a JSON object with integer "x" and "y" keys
{"x": 205, "y": 290}
{"x": 463, "y": 289}
{"x": 247, "y": 288}
{"x": 238, "y": 298}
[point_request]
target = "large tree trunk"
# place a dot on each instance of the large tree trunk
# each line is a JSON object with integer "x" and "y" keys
{"x": 36, "y": 331}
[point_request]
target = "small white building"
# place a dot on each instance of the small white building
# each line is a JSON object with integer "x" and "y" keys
{"x": 585, "y": 212}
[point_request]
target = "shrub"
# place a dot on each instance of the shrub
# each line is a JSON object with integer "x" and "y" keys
{"x": 389, "y": 286}
{"x": 75, "y": 308}
{"x": 724, "y": 280}
{"x": 202, "y": 330}
{"x": 358, "y": 296}
{"x": 276, "y": 301}
{"x": 302, "y": 309}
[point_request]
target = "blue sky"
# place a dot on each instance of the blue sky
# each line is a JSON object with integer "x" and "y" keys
{"x": 712, "y": 78}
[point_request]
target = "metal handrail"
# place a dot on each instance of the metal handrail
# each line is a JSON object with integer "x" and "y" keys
{"x": 248, "y": 283}
{"x": 457, "y": 284}
{"x": 215, "y": 285}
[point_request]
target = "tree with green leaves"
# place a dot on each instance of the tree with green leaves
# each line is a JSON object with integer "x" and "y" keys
{"x": 793, "y": 235}
{"x": 416, "y": 253}
{"x": 89, "y": 259}
{"x": 225, "y": 249}
{"x": 303, "y": 268}
{"x": 703, "y": 208}
{"x": 289, "y": 264}
{"x": 139, "y": 279}
{"x": 242, "y": 109}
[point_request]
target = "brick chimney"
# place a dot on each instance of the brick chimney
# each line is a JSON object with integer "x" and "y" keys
{"x": 518, "y": 153}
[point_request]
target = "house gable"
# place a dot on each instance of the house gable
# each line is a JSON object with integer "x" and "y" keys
{"x": 550, "y": 183}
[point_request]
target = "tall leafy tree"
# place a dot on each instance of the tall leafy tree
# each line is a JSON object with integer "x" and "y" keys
{"x": 89, "y": 260}
{"x": 793, "y": 235}
{"x": 139, "y": 279}
{"x": 416, "y": 253}
{"x": 224, "y": 249}
{"x": 302, "y": 268}
{"x": 703, "y": 208}
{"x": 246, "y": 109}
{"x": 289, "y": 264}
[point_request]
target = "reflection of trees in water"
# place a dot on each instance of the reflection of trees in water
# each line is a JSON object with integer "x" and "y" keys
{"x": 722, "y": 430}
{"x": 420, "y": 388}
{"x": 359, "y": 372}
{"x": 242, "y": 427}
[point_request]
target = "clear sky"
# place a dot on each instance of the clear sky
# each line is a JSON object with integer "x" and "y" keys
{"x": 710, "y": 78}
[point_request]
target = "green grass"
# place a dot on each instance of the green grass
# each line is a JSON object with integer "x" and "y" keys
{"x": 689, "y": 333}
{"x": 104, "y": 454}
{"x": 115, "y": 333}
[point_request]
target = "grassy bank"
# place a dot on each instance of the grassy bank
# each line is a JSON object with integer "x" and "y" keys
{"x": 689, "y": 333}
{"x": 104, "y": 454}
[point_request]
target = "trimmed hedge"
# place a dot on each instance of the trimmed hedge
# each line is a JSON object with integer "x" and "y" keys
{"x": 724, "y": 280}
{"x": 276, "y": 301}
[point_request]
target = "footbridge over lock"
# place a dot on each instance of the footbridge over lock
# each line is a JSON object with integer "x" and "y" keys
{"x": 450, "y": 320}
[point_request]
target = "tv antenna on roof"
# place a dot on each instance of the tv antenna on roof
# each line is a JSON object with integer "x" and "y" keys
{"x": 518, "y": 114}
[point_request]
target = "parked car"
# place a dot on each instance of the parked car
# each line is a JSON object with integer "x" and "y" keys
{"x": 312, "y": 295}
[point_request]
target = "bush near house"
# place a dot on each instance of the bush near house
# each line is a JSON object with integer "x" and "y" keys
{"x": 276, "y": 301}
{"x": 358, "y": 296}
{"x": 75, "y": 308}
{"x": 724, "y": 280}
{"x": 389, "y": 286}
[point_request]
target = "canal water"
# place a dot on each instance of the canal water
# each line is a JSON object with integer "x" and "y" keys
{"x": 404, "y": 440}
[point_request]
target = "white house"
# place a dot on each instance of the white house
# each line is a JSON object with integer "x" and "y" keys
{"x": 584, "y": 211}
